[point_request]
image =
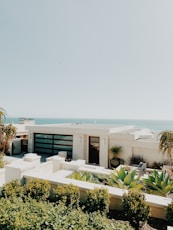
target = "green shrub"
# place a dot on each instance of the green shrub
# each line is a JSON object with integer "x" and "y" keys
{"x": 68, "y": 194}
{"x": 135, "y": 208}
{"x": 169, "y": 212}
{"x": 32, "y": 215}
{"x": 37, "y": 189}
{"x": 13, "y": 188}
{"x": 97, "y": 200}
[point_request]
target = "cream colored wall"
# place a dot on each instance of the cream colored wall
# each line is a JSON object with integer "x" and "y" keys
{"x": 78, "y": 147}
{"x": 126, "y": 144}
{"x": 149, "y": 150}
{"x": 104, "y": 151}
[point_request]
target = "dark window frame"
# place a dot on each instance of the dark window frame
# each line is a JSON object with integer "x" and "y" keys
{"x": 54, "y": 147}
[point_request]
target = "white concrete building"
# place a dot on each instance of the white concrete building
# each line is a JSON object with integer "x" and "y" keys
{"x": 92, "y": 142}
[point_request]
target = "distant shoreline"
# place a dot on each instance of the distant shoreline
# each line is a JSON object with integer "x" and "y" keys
{"x": 153, "y": 125}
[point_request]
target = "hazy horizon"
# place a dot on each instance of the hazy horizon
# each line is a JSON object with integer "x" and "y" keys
{"x": 88, "y": 59}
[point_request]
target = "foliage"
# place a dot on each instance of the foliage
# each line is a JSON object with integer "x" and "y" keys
{"x": 37, "y": 189}
{"x": 135, "y": 208}
{"x": 157, "y": 165}
{"x": 116, "y": 149}
{"x": 12, "y": 189}
{"x": 166, "y": 143}
{"x": 125, "y": 179}
{"x": 169, "y": 212}
{"x": 68, "y": 194}
{"x": 159, "y": 183}
{"x": 3, "y": 115}
{"x": 32, "y": 215}
{"x": 7, "y": 133}
{"x": 97, "y": 199}
{"x": 136, "y": 160}
{"x": 84, "y": 176}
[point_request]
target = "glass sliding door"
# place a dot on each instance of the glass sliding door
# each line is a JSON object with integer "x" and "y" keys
{"x": 94, "y": 149}
{"x": 53, "y": 143}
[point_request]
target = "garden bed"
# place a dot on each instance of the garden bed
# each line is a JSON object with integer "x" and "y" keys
{"x": 153, "y": 223}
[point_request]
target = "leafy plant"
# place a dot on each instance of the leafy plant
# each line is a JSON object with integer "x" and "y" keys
{"x": 7, "y": 133}
{"x": 135, "y": 208}
{"x": 84, "y": 176}
{"x": 136, "y": 160}
{"x": 166, "y": 143}
{"x": 97, "y": 199}
{"x": 37, "y": 189}
{"x": 32, "y": 215}
{"x": 68, "y": 194}
{"x": 12, "y": 189}
{"x": 169, "y": 212}
{"x": 116, "y": 150}
{"x": 158, "y": 183}
{"x": 125, "y": 179}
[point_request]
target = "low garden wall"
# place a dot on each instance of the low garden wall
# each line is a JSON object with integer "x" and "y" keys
{"x": 31, "y": 168}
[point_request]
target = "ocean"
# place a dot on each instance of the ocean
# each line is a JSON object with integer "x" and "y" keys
{"x": 153, "y": 125}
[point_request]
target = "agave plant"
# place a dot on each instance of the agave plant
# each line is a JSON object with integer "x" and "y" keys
{"x": 159, "y": 183}
{"x": 125, "y": 179}
{"x": 84, "y": 176}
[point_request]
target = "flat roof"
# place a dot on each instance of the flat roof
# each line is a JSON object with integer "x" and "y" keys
{"x": 108, "y": 128}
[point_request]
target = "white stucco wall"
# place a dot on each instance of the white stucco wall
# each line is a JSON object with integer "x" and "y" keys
{"x": 104, "y": 151}
{"x": 147, "y": 147}
{"x": 78, "y": 147}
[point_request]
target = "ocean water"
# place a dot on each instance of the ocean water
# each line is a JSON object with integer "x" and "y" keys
{"x": 153, "y": 125}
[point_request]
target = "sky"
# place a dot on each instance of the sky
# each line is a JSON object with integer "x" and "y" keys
{"x": 87, "y": 58}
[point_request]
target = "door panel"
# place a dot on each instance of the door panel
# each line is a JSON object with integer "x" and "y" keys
{"x": 94, "y": 149}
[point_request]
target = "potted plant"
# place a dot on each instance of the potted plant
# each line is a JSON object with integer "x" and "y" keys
{"x": 116, "y": 161}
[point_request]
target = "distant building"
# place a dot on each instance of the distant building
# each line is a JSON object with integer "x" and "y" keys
{"x": 92, "y": 142}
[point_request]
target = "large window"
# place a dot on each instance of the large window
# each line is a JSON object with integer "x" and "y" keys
{"x": 53, "y": 143}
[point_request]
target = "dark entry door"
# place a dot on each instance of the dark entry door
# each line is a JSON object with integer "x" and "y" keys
{"x": 94, "y": 148}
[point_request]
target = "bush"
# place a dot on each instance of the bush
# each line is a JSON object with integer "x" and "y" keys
{"x": 37, "y": 189}
{"x": 97, "y": 200}
{"x": 13, "y": 188}
{"x": 68, "y": 194}
{"x": 135, "y": 208}
{"x": 32, "y": 215}
{"x": 169, "y": 212}
{"x": 135, "y": 160}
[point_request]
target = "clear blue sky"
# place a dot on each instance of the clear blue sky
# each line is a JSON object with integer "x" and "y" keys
{"x": 87, "y": 58}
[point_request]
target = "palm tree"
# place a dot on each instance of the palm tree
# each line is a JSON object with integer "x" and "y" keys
{"x": 7, "y": 133}
{"x": 2, "y": 115}
{"x": 10, "y": 133}
{"x": 166, "y": 143}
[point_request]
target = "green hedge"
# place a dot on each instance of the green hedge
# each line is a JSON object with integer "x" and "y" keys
{"x": 97, "y": 199}
{"x": 16, "y": 214}
{"x": 135, "y": 208}
{"x": 68, "y": 194}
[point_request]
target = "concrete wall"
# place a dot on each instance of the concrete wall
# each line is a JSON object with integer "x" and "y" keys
{"x": 78, "y": 146}
{"x": 146, "y": 148}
